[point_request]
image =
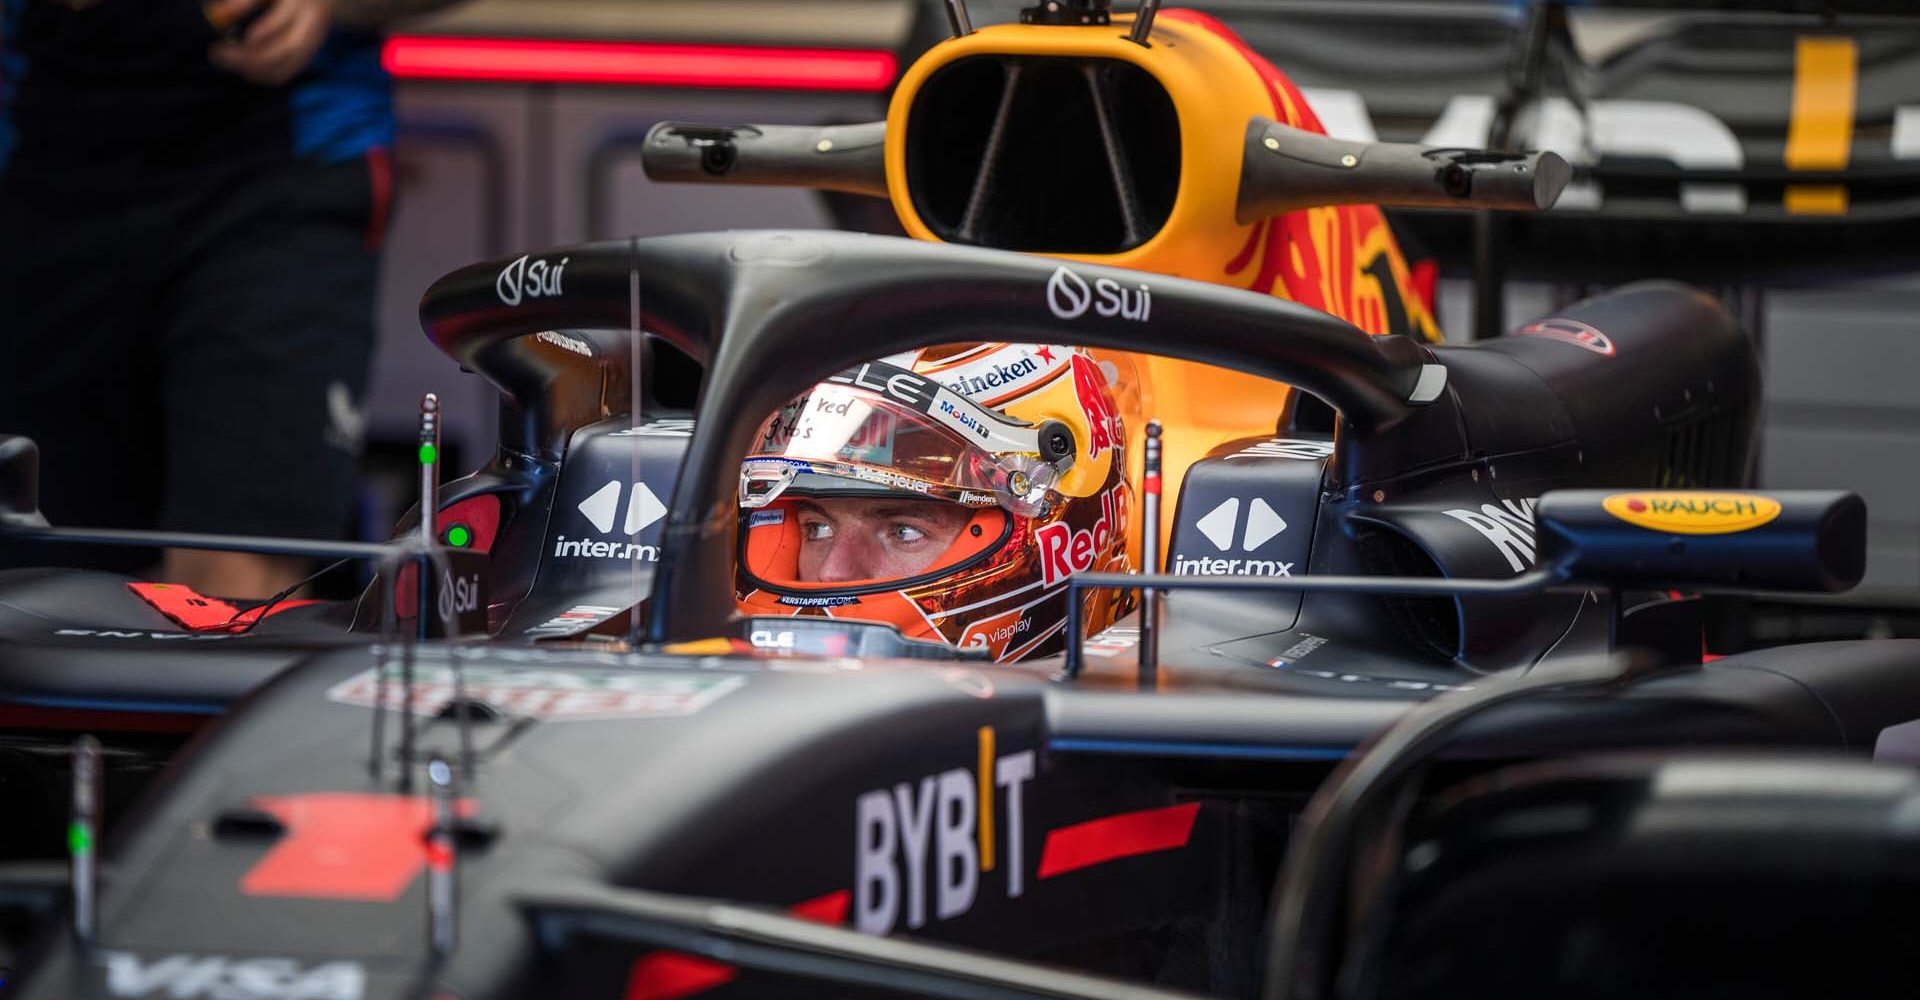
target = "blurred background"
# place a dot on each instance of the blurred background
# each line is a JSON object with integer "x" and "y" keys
{"x": 1767, "y": 151}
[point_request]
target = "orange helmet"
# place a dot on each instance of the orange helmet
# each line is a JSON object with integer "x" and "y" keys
{"x": 1025, "y": 438}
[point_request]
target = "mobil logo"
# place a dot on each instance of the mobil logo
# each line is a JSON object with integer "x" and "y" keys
{"x": 1065, "y": 551}
{"x": 1090, "y": 385}
{"x": 922, "y": 847}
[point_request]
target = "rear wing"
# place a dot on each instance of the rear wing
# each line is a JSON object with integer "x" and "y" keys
{"x": 1719, "y": 146}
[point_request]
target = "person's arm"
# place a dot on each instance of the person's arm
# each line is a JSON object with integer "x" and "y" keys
{"x": 379, "y": 13}
{"x": 283, "y": 35}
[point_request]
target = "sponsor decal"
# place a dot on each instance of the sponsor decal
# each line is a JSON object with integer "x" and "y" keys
{"x": 644, "y": 509}
{"x": 1089, "y": 384}
{"x": 1508, "y": 525}
{"x": 459, "y": 595}
{"x": 1114, "y": 641}
{"x": 108, "y": 633}
{"x": 1065, "y": 551}
{"x": 1303, "y": 449}
{"x": 1224, "y": 525}
{"x": 1391, "y": 683}
{"x": 527, "y": 278}
{"x": 978, "y": 499}
{"x": 997, "y": 376}
{"x": 664, "y": 427}
{"x": 576, "y": 619}
{"x": 219, "y": 977}
{"x": 549, "y": 694}
{"x": 794, "y": 601}
{"x": 1570, "y": 331}
{"x": 1693, "y": 513}
{"x": 767, "y": 518}
{"x": 927, "y": 396}
{"x": 921, "y": 847}
{"x": 997, "y": 633}
{"x": 564, "y": 342}
{"x": 1307, "y": 644}
{"x": 765, "y": 638}
{"x": 1069, "y": 297}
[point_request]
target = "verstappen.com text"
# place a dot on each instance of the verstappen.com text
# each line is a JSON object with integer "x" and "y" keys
{"x": 581, "y": 548}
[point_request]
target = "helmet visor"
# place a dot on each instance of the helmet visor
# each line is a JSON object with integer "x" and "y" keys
{"x": 872, "y": 426}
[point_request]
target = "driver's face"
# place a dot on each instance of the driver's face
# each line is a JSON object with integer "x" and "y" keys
{"x": 846, "y": 539}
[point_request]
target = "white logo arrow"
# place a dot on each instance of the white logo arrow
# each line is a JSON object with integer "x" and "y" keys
{"x": 1217, "y": 525}
{"x": 600, "y": 507}
{"x": 643, "y": 508}
{"x": 1262, "y": 525}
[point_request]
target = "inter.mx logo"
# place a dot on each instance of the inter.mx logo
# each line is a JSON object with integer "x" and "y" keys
{"x": 643, "y": 509}
{"x": 1069, "y": 297}
{"x": 1223, "y": 526}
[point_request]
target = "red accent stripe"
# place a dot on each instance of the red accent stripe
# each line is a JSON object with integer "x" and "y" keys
{"x": 1150, "y": 484}
{"x": 647, "y": 64}
{"x": 77, "y": 720}
{"x": 190, "y": 610}
{"x": 380, "y": 178}
{"x": 669, "y": 975}
{"x": 1098, "y": 841}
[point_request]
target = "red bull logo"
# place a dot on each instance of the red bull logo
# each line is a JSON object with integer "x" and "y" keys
{"x": 1065, "y": 551}
{"x": 1089, "y": 383}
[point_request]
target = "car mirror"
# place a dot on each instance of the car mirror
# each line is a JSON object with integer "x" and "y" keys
{"x": 20, "y": 484}
{"x": 1800, "y": 540}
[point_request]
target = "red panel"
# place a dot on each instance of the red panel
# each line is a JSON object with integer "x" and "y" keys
{"x": 344, "y": 845}
{"x": 1098, "y": 841}
{"x": 78, "y": 720}
{"x": 639, "y": 64}
{"x": 195, "y": 613}
{"x": 669, "y": 975}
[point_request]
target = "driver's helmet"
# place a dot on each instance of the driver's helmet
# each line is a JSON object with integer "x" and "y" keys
{"x": 1013, "y": 451}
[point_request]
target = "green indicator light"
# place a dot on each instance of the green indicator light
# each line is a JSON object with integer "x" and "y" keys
{"x": 459, "y": 537}
{"x": 79, "y": 839}
{"x": 428, "y": 453}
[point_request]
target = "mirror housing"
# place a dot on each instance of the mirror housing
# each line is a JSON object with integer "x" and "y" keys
{"x": 1793, "y": 540}
{"x": 20, "y": 484}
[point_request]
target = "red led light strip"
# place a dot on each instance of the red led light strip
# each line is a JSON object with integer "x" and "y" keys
{"x": 644, "y": 64}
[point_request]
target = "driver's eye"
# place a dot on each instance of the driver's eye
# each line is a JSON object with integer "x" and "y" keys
{"x": 816, "y": 531}
{"x": 905, "y": 534}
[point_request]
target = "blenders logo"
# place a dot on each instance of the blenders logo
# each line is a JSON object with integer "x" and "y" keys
{"x": 1064, "y": 551}
{"x": 1069, "y": 297}
{"x": 995, "y": 377}
{"x": 931, "y": 841}
{"x": 572, "y": 344}
{"x": 529, "y": 279}
{"x": 1570, "y": 331}
{"x": 1693, "y": 513}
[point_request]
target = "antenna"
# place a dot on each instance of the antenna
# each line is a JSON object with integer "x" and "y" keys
{"x": 1143, "y": 21}
{"x": 443, "y": 872}
{"x": 429, "y": 476}
{"x": 81, "y": 834}
{"x": 1149, "y": 647}
{"x": 957, "y": 17}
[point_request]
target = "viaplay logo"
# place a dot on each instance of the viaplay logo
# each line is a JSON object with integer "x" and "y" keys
{"x": 1687, "y": 513}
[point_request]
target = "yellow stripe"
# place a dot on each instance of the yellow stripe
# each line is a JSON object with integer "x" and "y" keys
{"x": 1816, "y": 199}
{"x": 986, "y": 798}
{"x": 1826, "y": 73}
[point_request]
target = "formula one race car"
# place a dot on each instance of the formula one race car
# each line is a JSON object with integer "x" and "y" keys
{"x": 596, "y": 715}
